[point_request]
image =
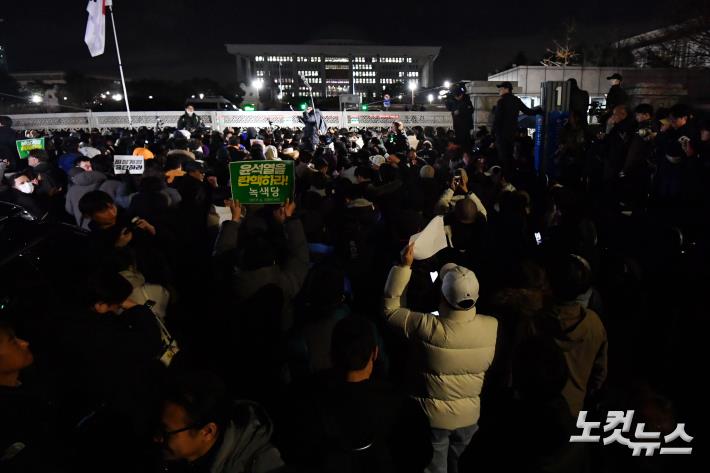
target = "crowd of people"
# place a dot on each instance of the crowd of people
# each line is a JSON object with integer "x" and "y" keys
{"x": 306, "y": 337}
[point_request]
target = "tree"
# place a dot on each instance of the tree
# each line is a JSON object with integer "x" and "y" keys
{"x": 563, "y": 54}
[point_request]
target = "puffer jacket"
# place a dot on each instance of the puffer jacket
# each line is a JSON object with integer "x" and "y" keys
{"x": 581, "y": 335}
{"x": 452, "y": 352}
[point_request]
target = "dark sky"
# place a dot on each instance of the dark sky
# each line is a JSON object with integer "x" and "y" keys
{"x": 180, "y": 39}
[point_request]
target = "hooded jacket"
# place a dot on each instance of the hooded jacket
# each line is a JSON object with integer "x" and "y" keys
{"x": 287, "y": 276}
{"x": 83, "y": 182}
{"x": 246, "y": 444}
{"x": 581, "y": 335}
{"x": 452, "y": 353}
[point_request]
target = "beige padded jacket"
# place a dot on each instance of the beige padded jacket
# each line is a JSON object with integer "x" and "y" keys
{"x": 452, "y": 353}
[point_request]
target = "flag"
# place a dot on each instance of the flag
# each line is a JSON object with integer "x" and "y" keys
{"x": 95, "y": 36}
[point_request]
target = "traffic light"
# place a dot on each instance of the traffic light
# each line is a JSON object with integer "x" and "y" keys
{"x": 248, "y": 107}
{"x": 363, "y": 107}
{"x": 303, "y": 106}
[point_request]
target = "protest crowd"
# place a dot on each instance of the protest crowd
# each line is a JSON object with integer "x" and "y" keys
{"x": 165, "y": 326}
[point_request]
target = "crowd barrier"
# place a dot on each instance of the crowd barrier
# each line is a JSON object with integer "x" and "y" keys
{"x": 220, "y": 120}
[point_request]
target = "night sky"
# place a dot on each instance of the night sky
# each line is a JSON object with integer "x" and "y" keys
{"x": 169, "y": 39}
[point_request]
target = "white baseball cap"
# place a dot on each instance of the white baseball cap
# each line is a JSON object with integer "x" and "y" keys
{"x": 377, "y": 160}
{"x": 459, "y": 286}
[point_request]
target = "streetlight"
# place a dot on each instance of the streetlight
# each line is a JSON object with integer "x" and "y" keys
{"x": 103, "y": 96}
{"x": 447, "y": 84}
{"x": 257, "y": 84}
{"x": 36, "y": 98}
{"x": 117, "y": 97}
{"x": 430, "y": 98}
{"x": 150, "y": 97}
{"x": 412, "y": 87}
{"x": 201, "y": 95}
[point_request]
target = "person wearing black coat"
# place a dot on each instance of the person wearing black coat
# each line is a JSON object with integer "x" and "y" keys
{"x": 461, "y": 108}
{"x": 616, "y": 96}
{"x": 313, "y": 126}
{"x": 505, "y": 122}
{"x": 579, "y": 99}
{"x": 8, "y": 150}
{"x": 189, "y": 120}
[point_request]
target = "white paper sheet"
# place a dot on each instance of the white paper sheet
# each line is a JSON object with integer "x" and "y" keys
{"x": 224, "y": 213}
{"x": 429, "y": 241}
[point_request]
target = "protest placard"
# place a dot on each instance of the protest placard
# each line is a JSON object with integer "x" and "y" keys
{"x": 262, "y": 182}
{"x": 132, "y": 164}
{"x": 25, "y": 146}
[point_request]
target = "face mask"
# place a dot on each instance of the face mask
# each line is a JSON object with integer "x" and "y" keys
{"x": 26, "y": 187}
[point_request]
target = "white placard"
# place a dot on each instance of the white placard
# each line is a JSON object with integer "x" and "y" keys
{"x": 429, "y": 241}
{"x": 132, "y": 164}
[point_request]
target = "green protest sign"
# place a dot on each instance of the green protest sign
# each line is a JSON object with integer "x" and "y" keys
{"x": 25, "y": 146}
{"x": 262, "y": 182}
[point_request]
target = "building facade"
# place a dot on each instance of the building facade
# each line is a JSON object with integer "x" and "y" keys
{"x": 333, "y": 69}
{"x": 685, "y": 45}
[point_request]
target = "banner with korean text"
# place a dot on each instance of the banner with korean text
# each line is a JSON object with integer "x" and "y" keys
{"x": 262, "y": 182}
{"x": 25, "y": 146}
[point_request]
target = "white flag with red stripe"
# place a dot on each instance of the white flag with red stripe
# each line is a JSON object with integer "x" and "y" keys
{"x": 95, "y": 36}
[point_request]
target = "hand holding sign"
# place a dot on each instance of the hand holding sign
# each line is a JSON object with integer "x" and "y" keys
{"x": 408, "y": 255}
{"x": 430, "y": 240}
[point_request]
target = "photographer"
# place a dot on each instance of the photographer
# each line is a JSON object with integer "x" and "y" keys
{"x": 458, "y": 189}
{"x": 461, "y": 108}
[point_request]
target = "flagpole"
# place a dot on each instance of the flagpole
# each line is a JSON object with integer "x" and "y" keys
{"x": 109, "y": 6}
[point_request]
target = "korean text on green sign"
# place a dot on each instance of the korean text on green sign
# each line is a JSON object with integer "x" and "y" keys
{"x": 25, "y": 146}
{"x": 262, "y": 182}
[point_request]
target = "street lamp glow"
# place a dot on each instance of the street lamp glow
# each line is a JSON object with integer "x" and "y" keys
{"x": 447, "y": 84}
{"x": 65, "y": 98}
{"x": 36, "y": 98}
{"x": 412, "y": 85}
{"x": 117, "y": 97}
{"x": 150, "y": 97}
{"x": 202, "y": 96}
{"x": 108, "y": 93}
{"x": 257, "y": 83}
{"x": 430, "y": 98}
{"x": 103, "y": 96}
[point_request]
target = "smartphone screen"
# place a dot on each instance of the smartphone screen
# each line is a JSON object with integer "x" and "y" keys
{"x": 538, "y": 238}
{"x": 433, "y": 275}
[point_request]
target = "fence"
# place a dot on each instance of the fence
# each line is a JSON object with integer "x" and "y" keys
{"x": 220, "y": 120}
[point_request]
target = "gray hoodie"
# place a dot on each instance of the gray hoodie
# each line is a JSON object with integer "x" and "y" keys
{"x": 83, "y": 182}
{"x": 246, "y": 445}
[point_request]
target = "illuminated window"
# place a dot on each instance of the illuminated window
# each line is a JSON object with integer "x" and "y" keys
{"x": 259, "y": 58}
{"x": 337, "y": 59}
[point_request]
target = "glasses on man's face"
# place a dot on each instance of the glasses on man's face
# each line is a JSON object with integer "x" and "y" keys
{"x": 165, "y": 434}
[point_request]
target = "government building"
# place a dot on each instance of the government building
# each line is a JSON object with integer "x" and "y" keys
{"x": 333, "y": 69}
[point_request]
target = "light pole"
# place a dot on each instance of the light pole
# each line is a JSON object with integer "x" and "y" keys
{"x": 447, "y": 84}
{"x": 412, "y": 87}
